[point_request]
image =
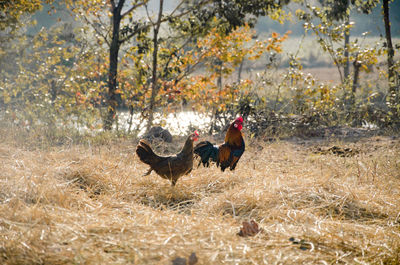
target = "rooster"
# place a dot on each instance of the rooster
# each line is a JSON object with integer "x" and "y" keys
{"x": 226, "y": 154}
{"x": 168, "y": 167}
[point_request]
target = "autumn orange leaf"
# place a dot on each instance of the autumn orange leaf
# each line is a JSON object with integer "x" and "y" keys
{"x": 249, "y": 229}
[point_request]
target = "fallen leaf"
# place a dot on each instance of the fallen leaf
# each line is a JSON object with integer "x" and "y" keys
{"x": 249, "y": 229}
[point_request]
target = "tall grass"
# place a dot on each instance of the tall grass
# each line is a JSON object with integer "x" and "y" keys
{"x": 89, "y": 204}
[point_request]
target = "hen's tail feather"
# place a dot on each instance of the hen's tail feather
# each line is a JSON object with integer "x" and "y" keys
{"x": 145, "y": 145}
{"x": 146, "y": 154}
{"x": 207, "y": 152}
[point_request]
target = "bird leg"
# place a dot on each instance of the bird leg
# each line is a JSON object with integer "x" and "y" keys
{"x": 148, "y": 172}
{"x": 173, "y": 182}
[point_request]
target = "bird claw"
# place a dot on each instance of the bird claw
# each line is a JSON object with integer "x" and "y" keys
{"x": 148, "y": 172}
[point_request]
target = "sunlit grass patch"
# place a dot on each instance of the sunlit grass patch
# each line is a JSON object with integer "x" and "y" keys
{"x": 91, "y": 204}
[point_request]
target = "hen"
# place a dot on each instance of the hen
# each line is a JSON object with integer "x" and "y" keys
{"x": 227, "y": 154}
{"x": 168, "y": 167}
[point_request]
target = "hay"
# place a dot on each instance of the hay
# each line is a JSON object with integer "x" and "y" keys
{"x": 73, "y": 205}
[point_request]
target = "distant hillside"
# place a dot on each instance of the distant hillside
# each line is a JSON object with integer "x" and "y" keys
{"x": 47, "y": 18}
{"x": 372, "y": 23}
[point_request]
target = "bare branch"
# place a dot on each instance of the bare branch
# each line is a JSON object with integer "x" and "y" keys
{"x": 162, "y": 20}
{"x": 177, "y": 7}
{"x": 160, "y": 12}
{"x": 96, "y": 30}
{"x": 177, "y": 49}
{"x": 104, "y": 25}
{"x": 148, "y": 15}
{"x": 133, "y": 8}
{"x": 183, "y": 1}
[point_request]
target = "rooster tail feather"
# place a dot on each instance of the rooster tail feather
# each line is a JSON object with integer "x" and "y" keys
{"x": 207, "y": 152}
{"x": 146, "y": 154}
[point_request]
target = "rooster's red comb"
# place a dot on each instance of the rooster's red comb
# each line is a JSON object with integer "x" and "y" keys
{"x": 239, "y": 119}
{"x": 196, "y": 133}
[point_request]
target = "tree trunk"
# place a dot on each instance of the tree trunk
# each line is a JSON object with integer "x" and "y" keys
{"x": 214, "y": 111}
{"x": 349, "y": 95}
{"x": 346, "y": 69}
{"x": 113, "y": 67}
{"x": 356, "y": 75}
{"x": 391, "y": 73}
{"x": 130, "y": 118}
{"x": 154, "y": 81}
{"x": 240, "y": 71}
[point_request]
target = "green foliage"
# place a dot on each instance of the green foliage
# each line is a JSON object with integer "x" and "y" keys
{"x": 51, "y": 85}
{"x": 221, "y": 54}
{"x": 233, "y": 14}
{"x": 58, "y": 79}
{"x": 330, "y": 34}
{"x": 299, "y": 103}
{"x": 340, "y": 9}
{"x": 13, "y": 17}
{"x": 12, "y": 11}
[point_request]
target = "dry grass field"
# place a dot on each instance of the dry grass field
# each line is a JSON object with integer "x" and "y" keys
{"x": 89, "y": 204}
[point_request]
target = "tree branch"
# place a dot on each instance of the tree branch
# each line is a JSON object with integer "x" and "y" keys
{"x": 120, "y": 4}
{"x": 112, "y": 3}
{"x": 183, "y": 1}
{"x": 148, "y": 15}
{"x": 133, "y": 8}
{"x": 96, "y": 30}
{"x": 163, "y": 19}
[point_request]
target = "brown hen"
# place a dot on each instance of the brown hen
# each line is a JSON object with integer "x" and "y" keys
{"x": 168, "y": 167}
